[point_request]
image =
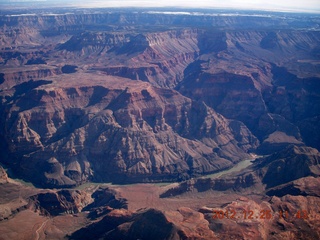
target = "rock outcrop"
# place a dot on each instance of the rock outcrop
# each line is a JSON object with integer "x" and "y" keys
{"x": 3, "y": 175}
{"x": 288, "y": 165}
{"x": 79, "y": 133}
{"x": 308, "y": 186}
{"x": 275, "y": 218}
{"x": 53, "y": 203}
{"x": 149, "y": 223}
{"x": 105, "y": 200}
{"x": 271, "y": 218}
{"x": 248, "y": 181}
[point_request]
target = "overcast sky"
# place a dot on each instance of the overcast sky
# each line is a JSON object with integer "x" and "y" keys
{"x": 282, "y": 5}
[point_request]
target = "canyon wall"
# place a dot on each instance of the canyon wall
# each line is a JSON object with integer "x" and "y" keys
{"x": 138, "y": 97}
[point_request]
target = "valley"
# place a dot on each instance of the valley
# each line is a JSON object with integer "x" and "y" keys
{"x": 143, "y": 124}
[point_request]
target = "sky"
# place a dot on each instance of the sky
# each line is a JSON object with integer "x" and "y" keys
{"x": 278, "y": 5}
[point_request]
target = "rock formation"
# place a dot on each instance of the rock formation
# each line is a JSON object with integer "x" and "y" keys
{"x": 3, "y": 175}
{"x": 308, "y": 186}
{"x": 142, "y": 97}
{"x": 149, "y": 223}
{"x": 129, "y": 97}
{"x": 63, "y": 201}
{"x": 273, "y": 219}
{"x": 288, "y": 165}
{"x": 71, "y": 132}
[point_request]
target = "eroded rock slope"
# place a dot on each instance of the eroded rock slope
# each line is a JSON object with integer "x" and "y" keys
{"x": 138, "y": 97}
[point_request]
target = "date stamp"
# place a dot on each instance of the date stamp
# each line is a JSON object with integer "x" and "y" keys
{"x": 262, "y": 214}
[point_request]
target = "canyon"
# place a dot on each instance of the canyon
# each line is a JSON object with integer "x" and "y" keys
{"x": 159, "y": 100}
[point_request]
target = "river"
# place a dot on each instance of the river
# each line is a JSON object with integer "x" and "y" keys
{"x": 236, "y": 168}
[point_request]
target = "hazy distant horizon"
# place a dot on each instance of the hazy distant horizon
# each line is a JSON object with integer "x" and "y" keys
{"x": 265, "y": 5}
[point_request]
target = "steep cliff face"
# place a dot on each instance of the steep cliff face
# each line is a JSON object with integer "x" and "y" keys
{"x": 241, "y": 79}
{"x": 90, "y": 43}
{"x": 140, "y": 132}
{"x": 277, "y": 169}
{"x": 222, "y": 91}
{"x": 14, "y": 78}
{"x": 297, "y": 100}
{"x": 158, "y": 57}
